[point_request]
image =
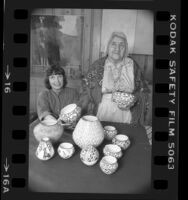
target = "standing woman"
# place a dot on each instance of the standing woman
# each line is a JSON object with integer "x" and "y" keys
{"x": 56, "y": 95}
{"x": 116, "y": 72}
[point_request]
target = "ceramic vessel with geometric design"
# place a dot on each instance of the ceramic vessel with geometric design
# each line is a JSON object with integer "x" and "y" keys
{"x": 110, "y": 132}
{"x": 45, "y": 150}
{"x": 89, "y": 155}
{"x": 112, "y": 150}
{"x": 65, "y": 150}
{"x": 108, "y": 164}
{"x": 124, "y": 100}
{"x": 70, "y": 113}
{"x": 122, "y": 141}
{"x": 88, "y": 131}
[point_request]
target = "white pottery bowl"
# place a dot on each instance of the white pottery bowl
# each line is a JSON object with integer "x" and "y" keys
{"x": 108, "y": 164}
{"x": 122, "y": 141}
{"x": 66, "y": 150}
{"x": 70, "y": 113}
{"x": 123, "y": 99}
{"x": 110, "y": 132}
{"x": 88, "y": 131}
{"x": 112, "y": 150}
{"x": 89, "y": 155}
{"x": 45, "y": 150}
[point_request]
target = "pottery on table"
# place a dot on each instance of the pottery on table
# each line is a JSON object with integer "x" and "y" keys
{"x": 66, "y": 150}
{"x": 50, "y": 129}
{"x": 124, "y": 100}
{"x": 89, "y": 155}
{"x": 110, "y": 132}
{"x": 88, "y": 131}
{"x": 70, "y": 113}
{"x": 122, "y": 141}
{"x": 112, "y": 150}
{"x": 45, "y": 150}
{"x": 108, "y": 164}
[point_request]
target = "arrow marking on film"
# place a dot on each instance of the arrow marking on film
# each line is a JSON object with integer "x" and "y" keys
{"x": 7, "y": 73}
{"x": 6, "y": 165}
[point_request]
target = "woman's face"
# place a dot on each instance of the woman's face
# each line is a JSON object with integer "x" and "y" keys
{"x": 56, "y": 81}
{"x": 116, "y": 49}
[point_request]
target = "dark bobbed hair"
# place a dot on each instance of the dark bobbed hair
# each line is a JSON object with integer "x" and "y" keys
{"x": 54, "y": 69}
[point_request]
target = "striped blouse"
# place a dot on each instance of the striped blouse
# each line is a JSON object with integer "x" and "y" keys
{"x": 50, "y": 103}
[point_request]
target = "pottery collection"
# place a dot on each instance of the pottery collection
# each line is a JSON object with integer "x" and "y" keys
{"x": 88, "y": 134}
{"x": 53, "y": 131}
{"x": 70, "y": 113}
{"x": 122, "y": 141}
{"x": 110, "y": 132}
{"x": 65, "y": 150}
{"x": 108, "y": 164}
{"x": 88, "y": 131}
{"x": 45, "y": 150}
{"x": 89, "y": 155}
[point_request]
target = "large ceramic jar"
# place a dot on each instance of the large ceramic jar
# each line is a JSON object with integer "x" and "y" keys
{"x": 88, "y": 131}
{"x": 52, "y": 131}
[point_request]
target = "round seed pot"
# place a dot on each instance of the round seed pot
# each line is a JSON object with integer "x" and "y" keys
{"x": 108, "y": 164}
{"x": 110, "y": 132}
{"x": 122, "y": 141}
{"x": 70, "y": 113}
{"x": 89, "y": 155}
{"x": 66, "y": 150}
{"x": 112, "y": 150}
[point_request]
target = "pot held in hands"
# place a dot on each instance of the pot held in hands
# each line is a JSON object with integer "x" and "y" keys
{"x": 70, "y": 113}
{"x": 124, "y": 100}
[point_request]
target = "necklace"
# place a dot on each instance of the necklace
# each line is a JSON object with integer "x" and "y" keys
{"x": 116, "y": 72}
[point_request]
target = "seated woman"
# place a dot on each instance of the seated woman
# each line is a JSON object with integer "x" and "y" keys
{"x": 116, "y": 72}
{"x": 56, "y": 96}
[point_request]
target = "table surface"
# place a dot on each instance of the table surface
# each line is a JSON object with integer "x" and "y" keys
{"x": 133, "y": 175}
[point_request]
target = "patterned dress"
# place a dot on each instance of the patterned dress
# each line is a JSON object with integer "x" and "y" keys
{"x": 116, "y": 78}
{"x": 93, "y": 88}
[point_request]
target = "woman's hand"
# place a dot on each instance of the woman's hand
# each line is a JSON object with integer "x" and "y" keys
{"x": 49, "y": 119}
{"x": 106, "y": 91}
{"x": 136, "y": 95}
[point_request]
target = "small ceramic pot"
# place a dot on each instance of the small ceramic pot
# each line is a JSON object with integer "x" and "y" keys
{"x": 112, "y": 150}
{"x": 89, "y": 155}
{"x": 53, "y": 131}
{"x": 70, "y": 113}
{"x": 108, "y": 164}
{"x": 110, "y": 132}
{"x": 45, "y": 150}
{"x": 122, "y": 141}
{"x": 66, "y": 150}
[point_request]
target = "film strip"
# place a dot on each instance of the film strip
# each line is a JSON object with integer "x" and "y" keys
{"x": 16, "y": 94}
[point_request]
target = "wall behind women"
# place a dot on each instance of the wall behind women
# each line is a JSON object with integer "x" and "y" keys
{"x": 136, "y": 24}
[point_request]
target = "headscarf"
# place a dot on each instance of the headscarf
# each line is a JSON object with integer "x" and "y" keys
{"x": 120, "y": 35}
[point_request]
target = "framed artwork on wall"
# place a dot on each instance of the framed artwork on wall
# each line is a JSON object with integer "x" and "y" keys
{"x": 57, "y": 39}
